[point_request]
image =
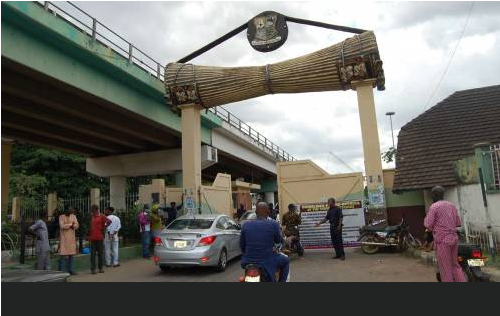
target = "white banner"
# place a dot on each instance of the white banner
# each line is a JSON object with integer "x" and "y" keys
{"x": 313, "y": 237}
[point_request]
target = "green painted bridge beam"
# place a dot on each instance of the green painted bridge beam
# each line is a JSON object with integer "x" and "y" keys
{"x": 52, "y": 46}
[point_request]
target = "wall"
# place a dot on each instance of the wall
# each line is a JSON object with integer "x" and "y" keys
{"x": 305, "y": 182}
{"x": 468, "y": 198}
{"x": 218, "y": 196}
{"x": 410, "y": 205}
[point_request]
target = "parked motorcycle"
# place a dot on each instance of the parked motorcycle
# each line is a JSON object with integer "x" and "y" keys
{"x": 375, "y": 237}
{"x": 470, "y": 258}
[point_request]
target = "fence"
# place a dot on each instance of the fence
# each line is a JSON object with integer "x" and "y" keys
{"x": 480, "y": 236}
{"x": 19, "y": 239}
{"x": 495, "y": 165}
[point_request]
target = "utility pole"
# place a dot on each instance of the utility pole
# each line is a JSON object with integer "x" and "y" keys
{"x": 390, "y": 114}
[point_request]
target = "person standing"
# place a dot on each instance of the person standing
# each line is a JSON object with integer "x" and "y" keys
{"x": 241, "y": 210}
{"x": 42, "y": 247}
{"x": 145, "y": 230}
{"x": 68, "y": 224}
{"x": 172, "y": 212}
{"x": 111, "y": 239}
{"x": 335, "y": 217}
{"x": 156, "y": 224}
{"x": 442, "y": 220}
{"x": 98, "y": 224}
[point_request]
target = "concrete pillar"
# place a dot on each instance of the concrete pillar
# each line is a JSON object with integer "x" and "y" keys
{"x": 117, "y": 192}
{"x": 52, "y": 204}
{"x": 371, "y": 143}
{"x": 269, "y": 197}
{"x": 95, "y": 196}
{"x": 6, "y": 153}
{"x": 191, "y": 152}
{"x": 178, "y": 179}
{"x": 16, "y": 209}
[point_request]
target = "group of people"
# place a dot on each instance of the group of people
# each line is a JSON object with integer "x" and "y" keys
{"x": 102, "y": 236}
{"x": 151, "y": 222}
{"x": 258, "y": 238}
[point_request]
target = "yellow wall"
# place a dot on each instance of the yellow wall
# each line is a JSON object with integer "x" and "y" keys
{"x": 218, "y": 195}
{"x": 305, "y": 182}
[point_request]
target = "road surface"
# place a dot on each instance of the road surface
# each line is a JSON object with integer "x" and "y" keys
{"x": 316, "y": 267}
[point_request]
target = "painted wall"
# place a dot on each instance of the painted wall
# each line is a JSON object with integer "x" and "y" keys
{"x": 217, "y": 197}
{"x": 412, "y": 198}
{"x": 305, "y": 182}
{"x": 468, "y": 198}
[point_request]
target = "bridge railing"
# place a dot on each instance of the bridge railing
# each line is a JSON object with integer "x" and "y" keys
{"x": 102, "y": 34}
{"x": 246, "y": 129}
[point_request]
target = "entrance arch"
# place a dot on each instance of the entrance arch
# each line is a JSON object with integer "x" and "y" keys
{"x": 353, "y": 64}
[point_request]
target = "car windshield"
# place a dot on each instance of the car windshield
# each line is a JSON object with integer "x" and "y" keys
{"x": 191, "y": 224}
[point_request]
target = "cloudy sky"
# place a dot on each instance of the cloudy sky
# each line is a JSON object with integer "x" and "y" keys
{"x": 415, "y": 39}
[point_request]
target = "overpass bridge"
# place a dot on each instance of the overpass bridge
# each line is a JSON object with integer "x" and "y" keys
{"x": 71, "y": 83}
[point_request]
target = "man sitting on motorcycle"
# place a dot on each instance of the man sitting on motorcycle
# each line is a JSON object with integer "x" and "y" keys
{"x": 291, "y": 221}
{"x": 257, "y": 245}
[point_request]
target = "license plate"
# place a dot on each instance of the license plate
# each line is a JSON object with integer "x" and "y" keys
{"x": 252, "y": 279}
{"x": 475, "y": 262}
{"x": 180, "y": 244}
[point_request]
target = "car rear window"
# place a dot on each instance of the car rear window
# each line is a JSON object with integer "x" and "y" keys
{"x": 191, "y": 224}
{"x": 248, "y": 215}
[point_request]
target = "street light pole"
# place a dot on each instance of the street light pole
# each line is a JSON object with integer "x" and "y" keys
{"x": 390, "y": 114}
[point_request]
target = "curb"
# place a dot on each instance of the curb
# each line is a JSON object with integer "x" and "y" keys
{"x": 491, "y": 274}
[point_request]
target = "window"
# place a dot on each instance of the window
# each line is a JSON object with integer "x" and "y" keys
{"x": 222, "y": 223}
{"x": 191, "y": 224}
{"x": 231, "y": 224}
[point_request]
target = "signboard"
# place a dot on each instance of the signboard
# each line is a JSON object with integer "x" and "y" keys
{"x": 267, "y": 31}
{"x": 313, "y": 237}
{"x": 189, "y": 203}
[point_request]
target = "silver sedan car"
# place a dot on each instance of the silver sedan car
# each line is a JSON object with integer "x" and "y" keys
{"x": 199, "y": 240}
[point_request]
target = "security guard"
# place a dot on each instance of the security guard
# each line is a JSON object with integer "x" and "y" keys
{"x": 334, "y": 216}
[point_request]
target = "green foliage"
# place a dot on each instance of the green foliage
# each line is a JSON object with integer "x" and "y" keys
{"x": 389, "y": 155}
{"x": 36, "y": 171}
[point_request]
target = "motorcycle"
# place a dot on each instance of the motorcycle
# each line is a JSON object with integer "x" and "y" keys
{"x": 374, "y": 237}
{"x": 470, "y": 258}
{"x": 255, "y": 273}
{"x": 292, "y": 244}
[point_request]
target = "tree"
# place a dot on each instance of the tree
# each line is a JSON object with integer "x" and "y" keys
{"x": 36, "y": 171}
{"x": 389, "y": 155}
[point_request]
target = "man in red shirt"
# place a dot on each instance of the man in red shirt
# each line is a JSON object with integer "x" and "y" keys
{"x": 98, "y": 223}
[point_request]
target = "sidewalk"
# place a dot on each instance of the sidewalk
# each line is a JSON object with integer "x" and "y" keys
{"x": 491, "y": 272}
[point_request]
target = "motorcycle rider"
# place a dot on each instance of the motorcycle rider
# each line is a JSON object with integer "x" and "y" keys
{"x": 257, "y": 242}
{"x": 291, "y": 221}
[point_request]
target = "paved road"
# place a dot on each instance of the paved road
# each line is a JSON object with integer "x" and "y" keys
{"x": 316, "y": 267}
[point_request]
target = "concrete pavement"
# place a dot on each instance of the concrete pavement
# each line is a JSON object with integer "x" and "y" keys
{"x": 316, "y": 267}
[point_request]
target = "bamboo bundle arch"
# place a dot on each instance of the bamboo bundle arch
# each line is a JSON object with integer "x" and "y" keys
{"x": 329, "y": 69}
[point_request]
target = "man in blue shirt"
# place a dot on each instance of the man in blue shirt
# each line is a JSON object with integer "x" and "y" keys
{"x": 257, "y": 242}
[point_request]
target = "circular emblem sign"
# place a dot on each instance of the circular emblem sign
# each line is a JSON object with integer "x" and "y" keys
{"x": 267, "y": 31}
